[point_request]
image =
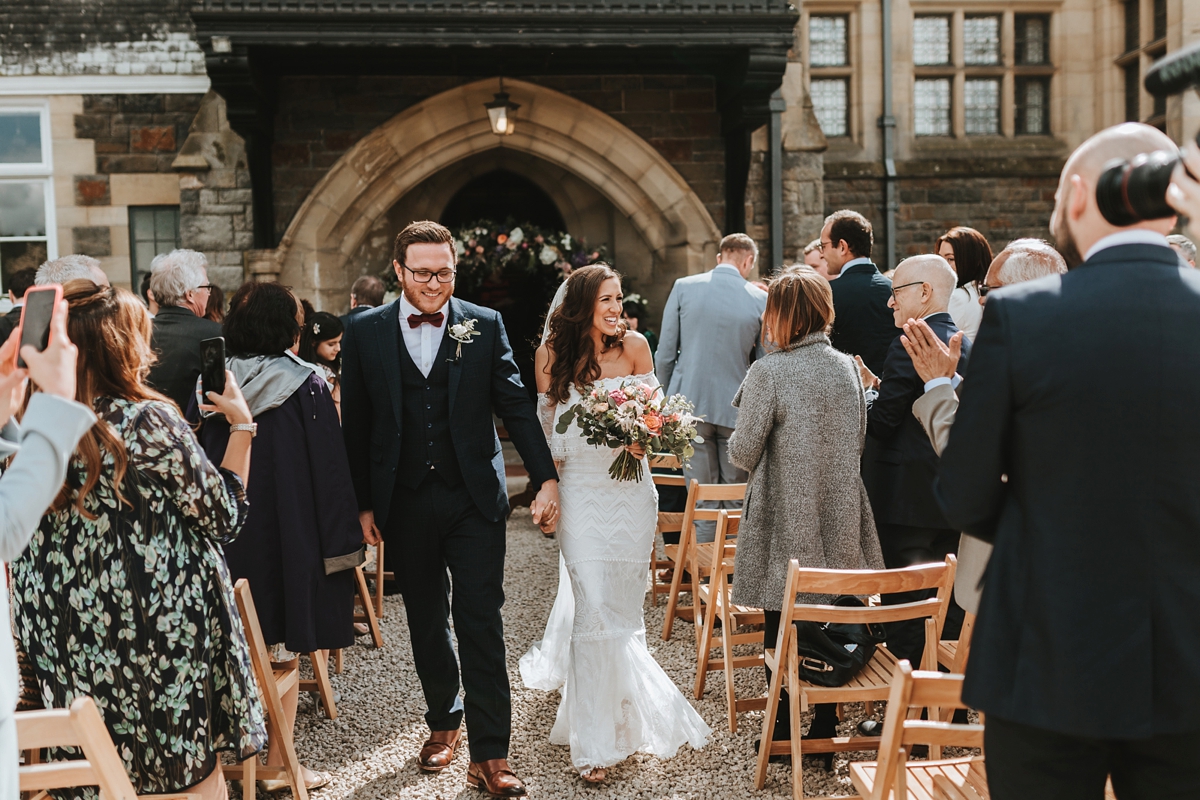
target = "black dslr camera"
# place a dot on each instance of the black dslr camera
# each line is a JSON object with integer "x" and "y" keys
{"x": 1131, "y": 191}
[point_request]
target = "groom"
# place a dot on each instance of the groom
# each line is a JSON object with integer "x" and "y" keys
{"x": 420, "y": 380}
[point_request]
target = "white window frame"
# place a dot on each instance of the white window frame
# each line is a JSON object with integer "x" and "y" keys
{"x": 42, "y": 172}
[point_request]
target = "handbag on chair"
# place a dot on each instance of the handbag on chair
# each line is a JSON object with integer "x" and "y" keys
{"x": 832, "y": 653}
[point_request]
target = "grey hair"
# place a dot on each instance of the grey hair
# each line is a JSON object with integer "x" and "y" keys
{"x": 1028, "y": 260}
{"x": 174, "y": 274}
{"x": 1186, "y": 245}
{"x": 71, "y": 268}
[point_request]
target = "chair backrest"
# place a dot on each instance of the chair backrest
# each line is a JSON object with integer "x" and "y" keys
{"x": 867, "y": 582}
{"x": 916, "y": 690}
{"x": 664, "y": 461}
{"x": 700, "y": 492}
{"x": 726, "y": 538}
{"x": 80, "y": 727}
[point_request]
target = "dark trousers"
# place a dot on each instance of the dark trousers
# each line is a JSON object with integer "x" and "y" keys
{"x": 906, "y": 546}
{"x": 432, "y": 529}
{"x": 824, "y": 714}
{"x": 1027, "y": 763}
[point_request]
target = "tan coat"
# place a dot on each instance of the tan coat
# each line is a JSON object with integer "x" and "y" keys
{"x": 935, "y": 410}
{"x": 800, "y": 428}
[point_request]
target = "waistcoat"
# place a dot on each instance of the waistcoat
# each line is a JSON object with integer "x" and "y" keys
{"x": 425, "y": 442}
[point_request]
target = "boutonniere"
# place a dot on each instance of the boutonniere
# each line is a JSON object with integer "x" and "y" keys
{"x": 462, "y": 332}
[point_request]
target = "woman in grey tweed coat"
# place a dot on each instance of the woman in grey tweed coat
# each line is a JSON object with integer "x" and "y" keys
{"x": 800, "y": 428}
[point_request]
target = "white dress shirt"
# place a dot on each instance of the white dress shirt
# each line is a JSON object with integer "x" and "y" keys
{"x": 424, "y": 340}
{"x": 854, "y": 262}
{"x": 1136, "y": 236}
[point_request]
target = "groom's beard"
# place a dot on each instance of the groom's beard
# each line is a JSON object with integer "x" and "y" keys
{"x": 413, "y": 293}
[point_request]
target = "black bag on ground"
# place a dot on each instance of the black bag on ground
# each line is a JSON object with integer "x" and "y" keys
{"x": 832, "y": 653}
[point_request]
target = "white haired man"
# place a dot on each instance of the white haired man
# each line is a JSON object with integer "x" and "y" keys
{"x": 74, "y": 267}
{"x": 899, "y": 463}
{"x": 179, "y": 281}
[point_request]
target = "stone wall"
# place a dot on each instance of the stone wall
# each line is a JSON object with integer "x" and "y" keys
{"x": 320, "y": 118}
{"x": 1004, "y": 199}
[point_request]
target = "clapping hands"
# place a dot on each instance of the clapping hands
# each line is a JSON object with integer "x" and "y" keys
{"x": 931, "y": 358}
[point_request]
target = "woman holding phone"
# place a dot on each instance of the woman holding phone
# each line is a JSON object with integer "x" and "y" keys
{"x": 101, "y": 608}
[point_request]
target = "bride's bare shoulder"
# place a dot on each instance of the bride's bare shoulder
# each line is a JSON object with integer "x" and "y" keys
{"x": 637, "y": 349}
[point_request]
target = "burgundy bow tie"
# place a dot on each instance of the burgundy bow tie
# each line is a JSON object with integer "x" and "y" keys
{"x": 434, "y": 319}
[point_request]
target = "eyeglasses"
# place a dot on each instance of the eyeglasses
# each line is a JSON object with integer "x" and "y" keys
{"x": 821, "y": 247}
{"x": 206, "y": 286}
{"x": 443, "y": 275}
{"x": 984, "y": 289}
{"x": 896, "y": 289}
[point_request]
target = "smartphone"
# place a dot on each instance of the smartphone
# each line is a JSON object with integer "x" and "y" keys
{"x": 212, "y": 366}
{"x": 36, "y": 313}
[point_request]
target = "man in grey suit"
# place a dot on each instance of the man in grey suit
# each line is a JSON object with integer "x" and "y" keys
{"x": 710, "y": 330}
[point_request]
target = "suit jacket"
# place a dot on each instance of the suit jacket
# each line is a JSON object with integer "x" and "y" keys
{"x": 935, "y": 410}
{"x": 9, "y": 323}
{"x": 899, "y": 463}
{"x": 176, "y": 337}
{"x": 862, "y": 322}
{"x": 484, "y": 379}
{"x": 352, "y": 313}
{"x": 711, "y": 327}
{"x": 1081, "y": 391}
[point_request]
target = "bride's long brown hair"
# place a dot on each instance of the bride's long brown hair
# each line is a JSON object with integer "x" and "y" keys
{"x": 111, "y": 328}
{"x": 570, "y": 338}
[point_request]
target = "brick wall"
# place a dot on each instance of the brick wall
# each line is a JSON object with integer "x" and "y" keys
{"x": 319, "y": 119}
{"x": 1004, "y": 199}
{"x": 136, "y": 132}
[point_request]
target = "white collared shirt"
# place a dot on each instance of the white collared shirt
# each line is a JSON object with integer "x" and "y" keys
{"x": 1136, "y": 236}
{"x": 854, "y": 262}
{"x": 424, "y": 340}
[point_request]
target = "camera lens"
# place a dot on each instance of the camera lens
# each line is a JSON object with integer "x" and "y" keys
{"x": 1129, "y": 192}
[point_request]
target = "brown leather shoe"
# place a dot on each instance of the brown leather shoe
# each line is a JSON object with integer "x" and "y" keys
{"x": 438, "y": 750}
{"x": 495, "y": 778}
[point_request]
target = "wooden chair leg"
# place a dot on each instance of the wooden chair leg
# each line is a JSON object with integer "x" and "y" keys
{"x": 768, "y": 729}
{"x": 320, "y": 682}
{"x": 797, "y": 704}
{"x": 364, "y": 596}
{"x": 337, "y": 661}
{"x": 379, "y": 582}
{"x": 681, "y": 559}
{"x": 727, "y": 652}
{"x": 249, "y": 781}
{"x": 704, "y": 644}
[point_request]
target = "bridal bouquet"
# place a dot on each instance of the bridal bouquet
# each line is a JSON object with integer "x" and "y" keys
{"x": 634, "y": 413}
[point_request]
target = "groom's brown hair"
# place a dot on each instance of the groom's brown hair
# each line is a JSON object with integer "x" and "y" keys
{"x": 422, "y": 232}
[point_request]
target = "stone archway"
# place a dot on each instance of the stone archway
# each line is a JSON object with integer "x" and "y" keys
{"x": 314, "y": 255}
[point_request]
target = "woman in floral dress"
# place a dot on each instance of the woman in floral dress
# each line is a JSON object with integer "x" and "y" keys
{"x": 123, "y": 594}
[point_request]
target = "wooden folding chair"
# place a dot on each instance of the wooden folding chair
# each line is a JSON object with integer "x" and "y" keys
{"x": 274, "y": 680}
{"x": 319, "y": 684}
{"x": 892, "y": 775}
{"x": 668, "y": 522}
{"x": 874, "y": 681}
{"x": 380, "y": 577}
{"x": 953, "y": 655}
{"x": 690, "y": 556}
{"x": 714, "y": 596}
{"x": 79, "y": 727}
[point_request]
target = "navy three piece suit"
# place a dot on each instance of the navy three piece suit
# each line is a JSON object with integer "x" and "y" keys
{"x": 425, "y": 458}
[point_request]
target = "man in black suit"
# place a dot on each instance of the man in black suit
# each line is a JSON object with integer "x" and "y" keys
{"x": 366, "y": 293}
{"x": 862, "y": 324}
{"x": 1074, "y": 451}
{"x": 420, "y": 380}
{"x": 899, "y": 463}
{"x": 179, "y": 281}
{"x": 18, "y": 284}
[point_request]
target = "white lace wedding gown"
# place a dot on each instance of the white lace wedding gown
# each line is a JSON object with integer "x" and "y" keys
{"x": 616, "y": 699}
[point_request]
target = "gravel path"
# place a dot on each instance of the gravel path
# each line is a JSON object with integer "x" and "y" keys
{"x": 371, "y": 748}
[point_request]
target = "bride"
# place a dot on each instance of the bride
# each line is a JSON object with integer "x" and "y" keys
{"x": 616, "y": 699}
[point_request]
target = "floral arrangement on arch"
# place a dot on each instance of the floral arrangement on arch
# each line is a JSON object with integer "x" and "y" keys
{"x": 489, "y": 251}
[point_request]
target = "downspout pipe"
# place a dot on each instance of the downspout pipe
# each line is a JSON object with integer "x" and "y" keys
{"x": 777, "y": 107}
{"x": 887, "y": 126}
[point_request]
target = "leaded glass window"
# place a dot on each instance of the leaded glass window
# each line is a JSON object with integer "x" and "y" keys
{"x": 827, "y": 41}
{"x": 1032, "y": 39}
{"x": 1033, "y": 106}
{"x": 931, "y": 105}
{"x": 981, "y": 107}
{"x": 931, "y": 41}
{"x": 831, "y": 104}
{"x": 981, "y": 40}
